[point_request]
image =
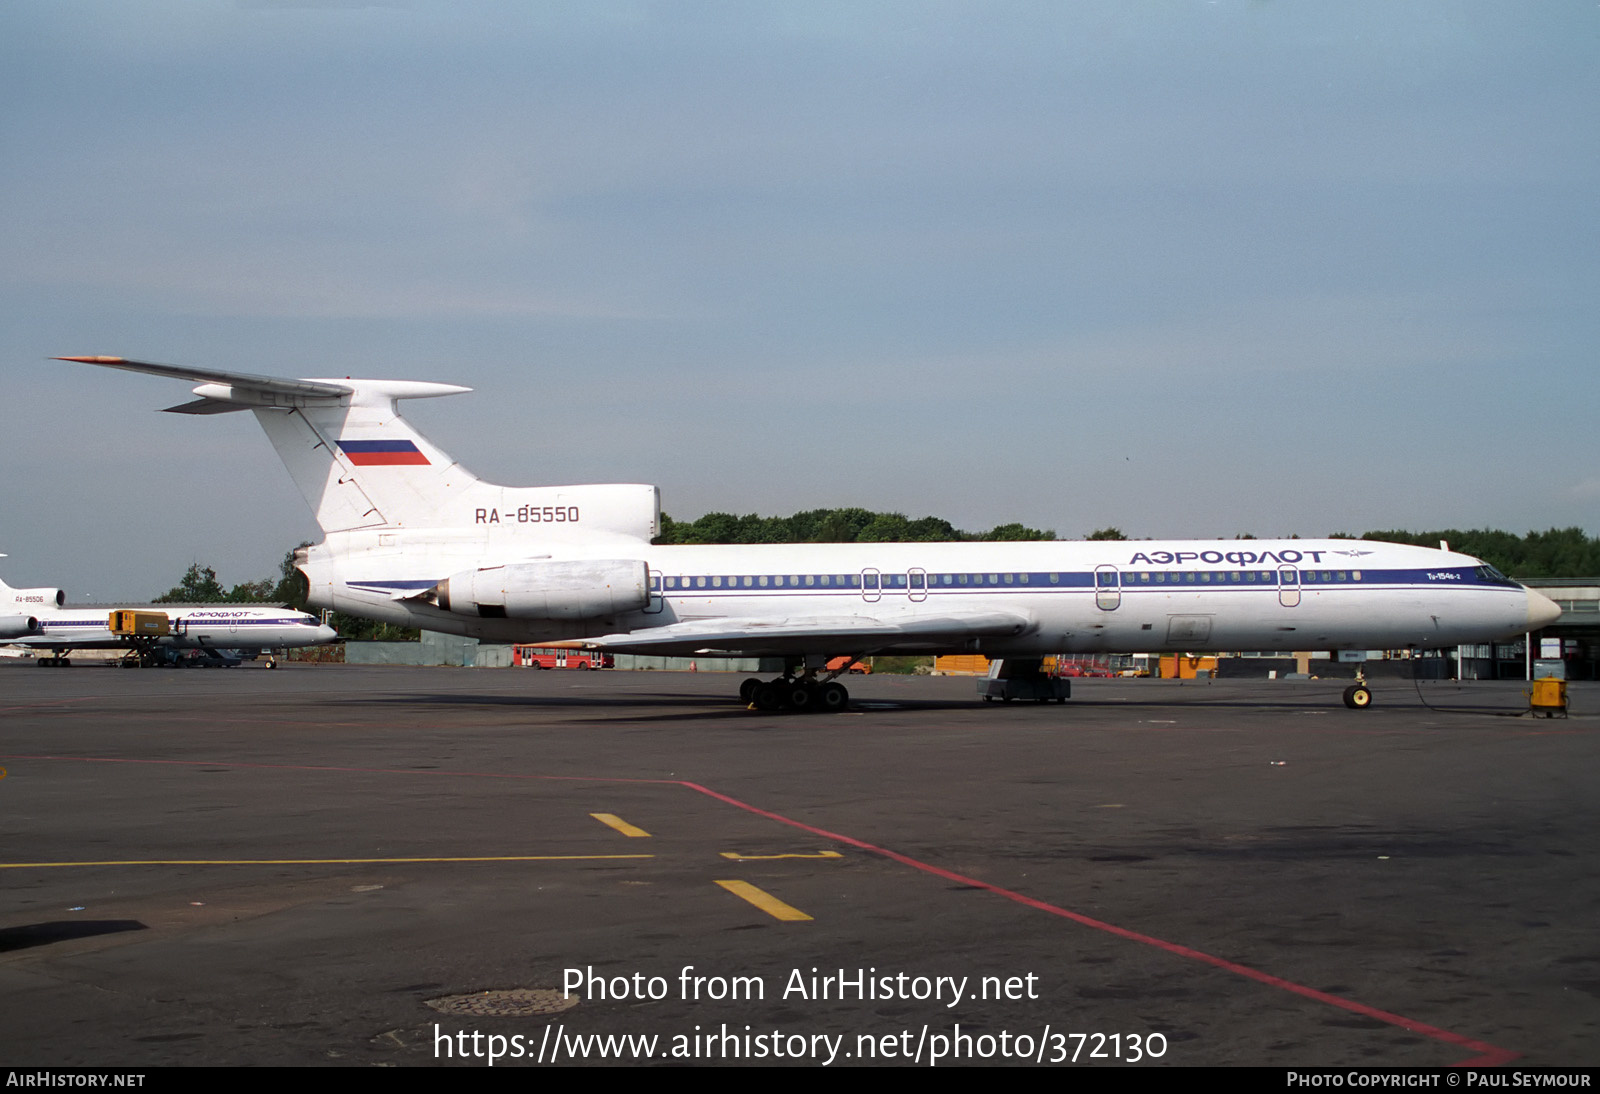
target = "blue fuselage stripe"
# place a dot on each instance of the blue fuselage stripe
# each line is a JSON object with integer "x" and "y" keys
{"x": 1128, "y": 582}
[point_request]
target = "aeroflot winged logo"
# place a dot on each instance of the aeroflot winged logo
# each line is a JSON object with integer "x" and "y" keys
{"x": 382, "y": 453}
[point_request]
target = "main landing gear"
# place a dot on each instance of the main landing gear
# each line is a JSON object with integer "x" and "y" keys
{"x": 799, "y": 689}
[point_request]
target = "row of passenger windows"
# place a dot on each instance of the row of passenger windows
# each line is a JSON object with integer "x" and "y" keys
{"x": 1234, "y": 577}
{"x": 836, "y": 581}
{"x": 1130, "y": 579}
{"x": 855, "y": 581}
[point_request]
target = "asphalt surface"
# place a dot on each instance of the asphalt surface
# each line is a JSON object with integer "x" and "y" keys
{"x": 295, "y": 867}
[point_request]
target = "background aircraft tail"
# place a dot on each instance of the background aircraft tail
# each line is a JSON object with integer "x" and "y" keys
{"x": 15, "y": 600}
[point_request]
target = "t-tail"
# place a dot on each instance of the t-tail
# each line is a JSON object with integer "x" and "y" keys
{"x": 362, "y": 467}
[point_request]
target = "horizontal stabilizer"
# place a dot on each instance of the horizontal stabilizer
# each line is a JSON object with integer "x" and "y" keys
{"x": 274, "y": 385}
{"x": 221, "y": 390}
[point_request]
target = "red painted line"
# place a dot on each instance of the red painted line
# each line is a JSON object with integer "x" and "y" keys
{"x": 1487, "y": 1055}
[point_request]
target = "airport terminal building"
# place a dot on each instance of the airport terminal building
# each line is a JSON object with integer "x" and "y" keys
{"x": 1574, "y": 639}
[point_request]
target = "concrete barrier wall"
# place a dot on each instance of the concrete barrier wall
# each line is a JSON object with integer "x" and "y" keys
{"x": 752, "y": 665}
{"x": 450, "y": 649}
{"x": 434, "y": 649}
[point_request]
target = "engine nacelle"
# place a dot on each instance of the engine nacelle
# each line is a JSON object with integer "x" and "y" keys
{"x": 30, "y": 598}
{"x": 546, "y": 590}
{"x": 19, "y": 626}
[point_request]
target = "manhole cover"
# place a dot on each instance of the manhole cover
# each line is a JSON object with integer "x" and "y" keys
{"x": 512, "y": 1003}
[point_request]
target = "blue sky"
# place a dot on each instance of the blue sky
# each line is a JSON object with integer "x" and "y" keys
{"x": 1191, "y": 269}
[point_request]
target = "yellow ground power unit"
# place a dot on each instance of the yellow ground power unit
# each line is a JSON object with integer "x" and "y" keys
{"x": 133, "y": 624}
{"x": 1548, "y": 697}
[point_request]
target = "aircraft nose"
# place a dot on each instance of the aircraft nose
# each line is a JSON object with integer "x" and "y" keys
{"x": 1542, "y": 611}
{"x": 326, "y": 634}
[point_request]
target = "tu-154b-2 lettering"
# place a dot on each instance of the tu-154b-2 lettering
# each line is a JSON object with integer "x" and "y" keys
{"x": 412, "y": 537}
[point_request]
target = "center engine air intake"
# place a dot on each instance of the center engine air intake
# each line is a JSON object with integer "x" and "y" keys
{"x": 545, "y": 590}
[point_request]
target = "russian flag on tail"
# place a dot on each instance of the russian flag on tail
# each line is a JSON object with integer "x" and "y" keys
{"x": 382, "y": 453}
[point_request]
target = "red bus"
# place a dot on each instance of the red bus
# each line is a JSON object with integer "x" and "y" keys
{"x": 534, "y": 657}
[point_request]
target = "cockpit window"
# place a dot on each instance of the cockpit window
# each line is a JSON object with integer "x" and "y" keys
{"x": 1490, "y": 576}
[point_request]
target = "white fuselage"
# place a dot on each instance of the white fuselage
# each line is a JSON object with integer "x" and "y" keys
{"x": 1123, "y": 596}
{"x": 414, "y": 538}
{"x": 215, "y": 626}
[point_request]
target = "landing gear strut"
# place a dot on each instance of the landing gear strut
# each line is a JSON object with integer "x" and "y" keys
{"x": 799, "y": 688}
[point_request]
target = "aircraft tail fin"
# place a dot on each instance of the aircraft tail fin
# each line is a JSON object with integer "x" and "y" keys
{"x": 355, "y": 458}
{"x": 361, "y": 465}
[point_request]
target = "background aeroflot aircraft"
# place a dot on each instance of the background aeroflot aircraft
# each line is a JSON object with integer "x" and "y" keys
{"x": 37, "y": 619}
{"x": 414, "y": 538}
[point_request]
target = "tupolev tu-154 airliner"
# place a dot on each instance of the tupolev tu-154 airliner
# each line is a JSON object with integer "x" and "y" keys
{"x": 413, "y": 538}
{"x": 40, "y": 620}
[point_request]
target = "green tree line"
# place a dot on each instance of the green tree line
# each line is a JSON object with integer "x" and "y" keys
{"x": 200, "y": 586}
{"x": 831, "y": 526}
{"x": 1556, "y": 552}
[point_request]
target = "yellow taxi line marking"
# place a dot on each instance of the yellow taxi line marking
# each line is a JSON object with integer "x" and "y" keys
{"x": 310, "y": 861}
{"x": 737, "y": 857}
{"x": 764, "y": 900}
{"x": 611, "y": 820}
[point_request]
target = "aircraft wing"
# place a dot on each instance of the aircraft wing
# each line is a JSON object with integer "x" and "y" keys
{"x": 759, "y": 637}
{"x": 51, "y": 642}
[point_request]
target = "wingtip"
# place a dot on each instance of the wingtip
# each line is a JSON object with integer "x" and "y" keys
{"x": 93, "y": 360}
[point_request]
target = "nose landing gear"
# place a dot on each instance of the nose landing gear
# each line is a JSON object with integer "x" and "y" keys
{"x": 1358, "y": 696}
